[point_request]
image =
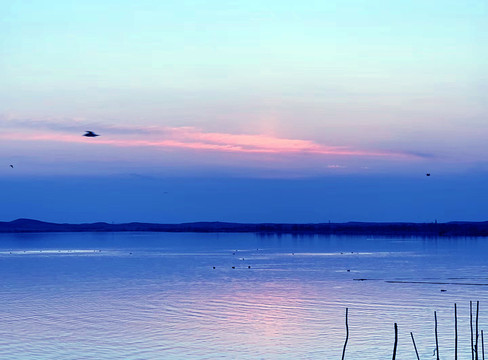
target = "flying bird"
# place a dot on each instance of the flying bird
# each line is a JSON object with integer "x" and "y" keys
{"x": 90, "y": 134}
{"x": 12, "y": 166}
{"x": 428, "y": 174}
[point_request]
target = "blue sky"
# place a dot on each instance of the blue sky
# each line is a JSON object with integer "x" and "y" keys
{"x": 249, "y": 93}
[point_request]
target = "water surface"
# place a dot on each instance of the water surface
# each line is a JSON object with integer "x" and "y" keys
{"x": 158, "y": 296}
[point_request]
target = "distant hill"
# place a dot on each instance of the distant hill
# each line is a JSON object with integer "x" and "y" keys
{"x": 456, "y": 228}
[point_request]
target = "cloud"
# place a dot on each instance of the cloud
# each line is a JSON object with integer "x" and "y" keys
{"x": 68, "y": 125}
{"x": 190, "y": 138}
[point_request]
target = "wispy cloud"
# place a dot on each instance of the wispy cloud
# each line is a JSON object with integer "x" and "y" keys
{"x": 67, "y": 125}
{"x": 177, "y": 138}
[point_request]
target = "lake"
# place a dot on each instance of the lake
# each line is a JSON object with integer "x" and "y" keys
{"x": 158, "y": 295}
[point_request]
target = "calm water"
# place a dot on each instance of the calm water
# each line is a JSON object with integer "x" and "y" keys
{"x": 157, "y": 296}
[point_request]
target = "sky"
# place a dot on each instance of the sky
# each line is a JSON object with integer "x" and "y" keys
{"x": 248, "y": 111}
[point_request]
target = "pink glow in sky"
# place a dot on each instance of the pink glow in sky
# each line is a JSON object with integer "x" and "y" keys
{"x": 197, "y": 139}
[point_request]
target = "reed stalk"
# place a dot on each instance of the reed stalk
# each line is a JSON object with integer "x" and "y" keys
{"x": 471, "y": 325}
{"x": 396, "y": 342}
{"x": 436, "y": 337}
{"x": 455, "y": 333}
{"x": 415, "y": 346}
{"x": 347, "y": 337}
{"x": 482, "y": 346}
{"x": 477, "y": 334}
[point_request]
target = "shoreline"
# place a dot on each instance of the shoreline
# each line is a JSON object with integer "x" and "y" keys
{"x": 455, "y": 228}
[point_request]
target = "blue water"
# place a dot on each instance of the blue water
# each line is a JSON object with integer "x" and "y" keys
{"x": 157, "y": 295}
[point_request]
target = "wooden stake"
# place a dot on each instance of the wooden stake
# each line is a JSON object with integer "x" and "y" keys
{"x": 455, "y": 333}
{"x": 477, "y": 334}
{"x": 415, "y": 346}
{"x": 347, "y": 337}
{"x": 396, "y": 341}
{"x": 471, "y": 324}
{"x": 482, "y": 346}
{"x": 436, "y": 338}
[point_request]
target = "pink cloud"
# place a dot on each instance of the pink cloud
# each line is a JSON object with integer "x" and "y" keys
{"x": 196, "y": 139}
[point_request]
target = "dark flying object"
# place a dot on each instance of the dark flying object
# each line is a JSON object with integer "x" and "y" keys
{"x": 12, "y": 166}
{"x": 428, "y": 174}
{"x": 90, "y": 134}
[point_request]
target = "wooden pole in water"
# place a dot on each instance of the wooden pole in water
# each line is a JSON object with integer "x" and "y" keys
{"x": 396, "y": 341}
{"x": 415, "y": 346}
{"x": 347, "y": 337}
{"x": 436, "y": 338}
{"x": 455, "y": 333}
{"x": 477, "y": 334}
{"x": 482, "y": 346}
{"x": 471, "y": 325}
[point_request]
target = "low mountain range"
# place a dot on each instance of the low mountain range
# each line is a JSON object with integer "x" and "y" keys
{"x": 456, "y": 228}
